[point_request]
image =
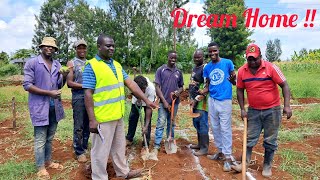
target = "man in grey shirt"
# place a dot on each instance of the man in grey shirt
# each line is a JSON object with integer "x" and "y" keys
{"x": 80, "y": 117}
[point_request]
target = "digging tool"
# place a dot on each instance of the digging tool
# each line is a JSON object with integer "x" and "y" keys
{"x": 170, "y": 144}
{"x": 243, "y": 169}
{"x": 146, "y": 154}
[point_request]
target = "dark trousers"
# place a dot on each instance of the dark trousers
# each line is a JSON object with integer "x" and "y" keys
{"x": 81, "y": 126}
{"x": 133, "y": 121}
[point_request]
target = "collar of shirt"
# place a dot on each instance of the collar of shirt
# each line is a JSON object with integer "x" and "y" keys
{"x": 171, "y": 69}
{"x": 54, "y": 63}
{"x": 100, "y": 59}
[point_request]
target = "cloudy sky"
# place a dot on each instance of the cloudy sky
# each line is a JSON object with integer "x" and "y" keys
{"x": 17, "y": 23}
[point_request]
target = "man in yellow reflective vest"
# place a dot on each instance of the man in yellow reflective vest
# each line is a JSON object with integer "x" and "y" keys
{"x": 103, "y": 81}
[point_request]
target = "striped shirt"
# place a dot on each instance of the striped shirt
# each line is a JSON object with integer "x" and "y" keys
{"x": 262, "y": 89}
{"x": 89, "y": 78}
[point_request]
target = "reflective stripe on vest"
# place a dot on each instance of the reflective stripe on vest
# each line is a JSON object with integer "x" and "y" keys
{"x": 108, "y": 97}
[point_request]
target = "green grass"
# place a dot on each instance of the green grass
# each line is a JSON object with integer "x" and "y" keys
{"x": 65, "y": 127}
{"x": 303, "y": 84}
{"x": 12, "y": 170}
{"x": 5, "y": 113}
{"x": 297, "y": 134}
{"x": 6, "y": 94}
{"x": 310, "y": 114}
{"x": 296, "y": 163}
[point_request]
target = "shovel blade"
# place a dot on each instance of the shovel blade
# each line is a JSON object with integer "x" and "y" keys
{"x": 170, "y": 147}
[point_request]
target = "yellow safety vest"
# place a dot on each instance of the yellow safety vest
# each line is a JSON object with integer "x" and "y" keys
{"x": 108, "y": 96}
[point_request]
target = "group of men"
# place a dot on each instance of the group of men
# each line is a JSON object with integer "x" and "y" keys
{"x": 98, "y": 102}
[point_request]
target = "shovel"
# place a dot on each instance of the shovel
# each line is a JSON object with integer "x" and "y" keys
{"x": 243, "y": 169}
{"x": 145, "y": 154}
{"x": 170, "y": 144}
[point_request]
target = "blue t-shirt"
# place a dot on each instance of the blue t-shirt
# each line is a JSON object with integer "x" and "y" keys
{"x": 220, "y": 87}
{"x": 89, "y": 78}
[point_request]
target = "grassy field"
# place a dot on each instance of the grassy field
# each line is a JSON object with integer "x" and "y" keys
{"x": 302, "y": 83}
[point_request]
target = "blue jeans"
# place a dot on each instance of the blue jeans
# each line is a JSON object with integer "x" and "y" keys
{"x": 163, "y": 116}
{"x": 43, "y": 136}
{"x": 80, "y": 126}
{"x": 220, "y": 117}
{"x": 201, "y": 122}
{"x": 267, "y": 119}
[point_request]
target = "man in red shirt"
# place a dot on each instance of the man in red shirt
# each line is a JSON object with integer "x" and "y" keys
{"x": 260, "y": 79}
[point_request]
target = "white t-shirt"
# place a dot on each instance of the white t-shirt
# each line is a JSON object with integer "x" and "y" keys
{"x": 150, "y": 93}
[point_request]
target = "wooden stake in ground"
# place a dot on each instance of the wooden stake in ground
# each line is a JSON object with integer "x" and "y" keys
{"x": 14, "y": 124}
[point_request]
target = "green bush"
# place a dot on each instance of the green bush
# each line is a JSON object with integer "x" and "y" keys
{"x": 9, "y": 70}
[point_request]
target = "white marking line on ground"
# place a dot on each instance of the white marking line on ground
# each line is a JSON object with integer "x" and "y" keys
{"x": 199, "y": 167}
{"x": 184, "y": 135}
{"x": 131, "y": 155}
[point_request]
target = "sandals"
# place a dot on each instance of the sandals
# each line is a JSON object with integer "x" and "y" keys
{"x": 43, "y": 174}
{"x": 53, "y": 165}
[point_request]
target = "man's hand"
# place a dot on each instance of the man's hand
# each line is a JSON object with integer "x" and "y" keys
{"x": 152, "y": 105}
{"x": 93, "y": 126}
{"x": 55, "y": 93}
{"x": 166, "y": 105}
{"x": 199, "y": 97}
{"x": 232, "y": 79}
{"x": 287, "y": 111}
{"x": 175, "y": 94}
{"x": 65, "y": 70}
{"x": 144, "y": 130}
{"x": 244, "y": 114}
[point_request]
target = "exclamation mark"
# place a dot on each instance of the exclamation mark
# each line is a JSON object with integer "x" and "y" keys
{"x": 313, "y": 15}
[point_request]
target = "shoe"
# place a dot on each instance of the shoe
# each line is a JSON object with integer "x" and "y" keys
{"x": 128, "y": 143}
{"x": 201, "y": 152}
{"x": 134, "y": 173}
{"x": 54, "y": 165}
{"x": 155, "y": 151}
{"x": 267, "y": 163}
{"x": 266, "y": 172}
{"x": 217, "y": 156}
{"x": 203, "y": 143}
{"x": 82, "y": 158}
{"x": 43, "y": 174}
{"x": 194, "y": 146}
{"x": 227, "y": 165}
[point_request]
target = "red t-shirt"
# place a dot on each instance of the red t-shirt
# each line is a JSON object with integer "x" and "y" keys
{"x": 262, "y": 89}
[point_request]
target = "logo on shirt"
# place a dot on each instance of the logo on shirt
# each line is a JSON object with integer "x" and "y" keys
{"x": 216, "y": 77}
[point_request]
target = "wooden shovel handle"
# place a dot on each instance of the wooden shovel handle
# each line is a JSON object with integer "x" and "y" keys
{"x": 244, "y": 149}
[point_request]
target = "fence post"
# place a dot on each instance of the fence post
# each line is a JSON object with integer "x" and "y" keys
{"x": 14, "y": 123}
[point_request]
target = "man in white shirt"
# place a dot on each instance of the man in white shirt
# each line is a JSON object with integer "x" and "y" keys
{"x": 149, "y": 90}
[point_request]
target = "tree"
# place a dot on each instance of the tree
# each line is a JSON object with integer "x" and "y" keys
{"x": 4, "y": 58}
{"x": 87, "y": 23}
{"x": 53, "y": 21}
{"x": 23, "y": 54}
{"x": 232, "y": 41}
{"x": 273, "y": 51}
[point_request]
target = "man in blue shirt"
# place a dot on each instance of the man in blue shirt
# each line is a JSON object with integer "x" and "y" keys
{"x": 108, "y": 138}
{"x": 220, "y": 75}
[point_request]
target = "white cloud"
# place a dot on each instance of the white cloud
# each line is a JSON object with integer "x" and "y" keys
{"x": 17, "y": 25}
{"x": 200, "y": 33}
{"x": 300, "y": 4}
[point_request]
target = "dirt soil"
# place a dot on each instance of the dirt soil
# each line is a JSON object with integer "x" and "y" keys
{"x": 182, "y": 165}
{"x": 15, "y": 80}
